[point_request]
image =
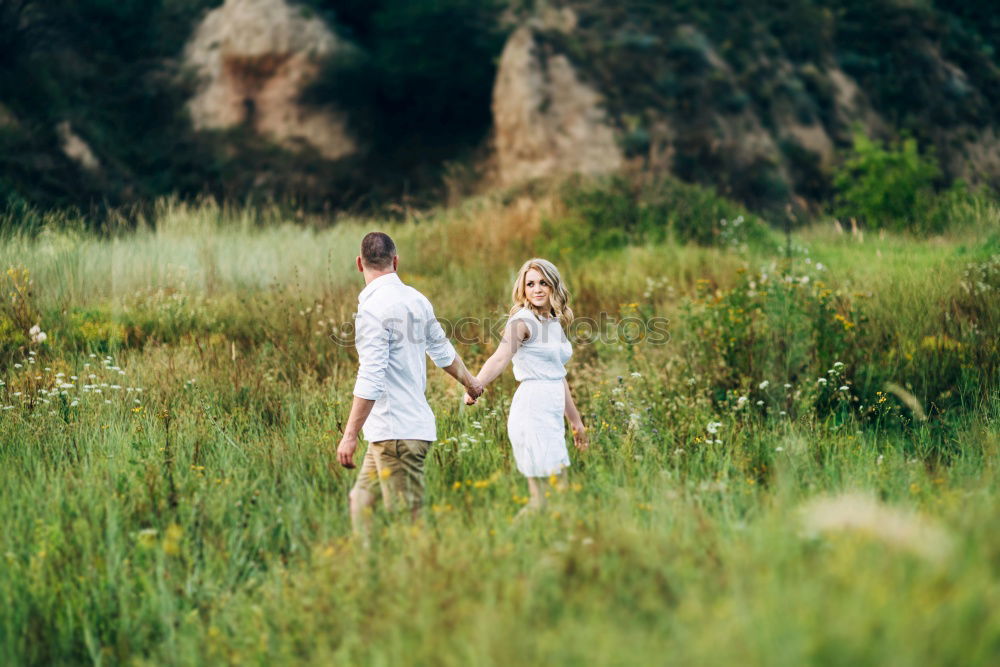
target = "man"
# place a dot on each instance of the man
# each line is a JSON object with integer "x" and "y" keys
{"x": 394, "y": 328}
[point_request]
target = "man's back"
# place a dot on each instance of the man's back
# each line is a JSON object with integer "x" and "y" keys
{"x": 395, "y": 328}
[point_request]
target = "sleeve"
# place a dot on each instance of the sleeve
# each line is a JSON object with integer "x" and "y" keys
{"x": 439, "y": 348}
{"x": 371, "y": 338}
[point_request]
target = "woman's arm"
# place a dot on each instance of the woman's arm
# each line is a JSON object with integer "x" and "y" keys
{"x": 514, "y": 334}
{"x": 575, "y": 421}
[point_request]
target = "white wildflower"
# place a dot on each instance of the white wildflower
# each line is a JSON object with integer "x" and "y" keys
{"x": 763, "y": 385}
{"x": 713, "y": 427}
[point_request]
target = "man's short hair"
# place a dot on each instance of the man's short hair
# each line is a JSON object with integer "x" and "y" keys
{"x": 377, "y": 250}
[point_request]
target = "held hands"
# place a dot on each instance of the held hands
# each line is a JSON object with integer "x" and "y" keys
{"x": 473, "y": 391}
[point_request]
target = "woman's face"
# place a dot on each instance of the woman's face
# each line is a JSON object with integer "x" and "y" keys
{"x": 537, "y": 289}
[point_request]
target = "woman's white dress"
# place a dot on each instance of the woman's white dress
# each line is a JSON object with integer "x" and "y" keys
{"x": 535, "y": 424}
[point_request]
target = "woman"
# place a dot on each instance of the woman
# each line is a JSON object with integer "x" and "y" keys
{"x": 534, "y": 339}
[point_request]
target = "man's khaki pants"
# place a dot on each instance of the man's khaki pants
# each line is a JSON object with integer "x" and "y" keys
{"x": 397, "y": 466}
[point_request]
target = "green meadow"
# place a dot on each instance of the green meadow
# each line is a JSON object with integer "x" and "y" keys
{"x": 802, "y": 471}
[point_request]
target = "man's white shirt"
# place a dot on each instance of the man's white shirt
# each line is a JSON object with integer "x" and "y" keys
{"x": 394, "y": 328}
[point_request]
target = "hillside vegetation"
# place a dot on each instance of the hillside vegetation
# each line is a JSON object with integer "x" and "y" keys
{"x": 417, "y": 91}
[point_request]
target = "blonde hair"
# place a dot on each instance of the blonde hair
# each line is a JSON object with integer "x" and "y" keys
{"x": 558, "y": 296}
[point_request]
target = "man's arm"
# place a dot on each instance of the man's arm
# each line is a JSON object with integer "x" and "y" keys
{"x": 372, "y": 340}
{"x": 457, "y": 370}
{"x": 360, "y": 409}
{"x": 444, "y": 356}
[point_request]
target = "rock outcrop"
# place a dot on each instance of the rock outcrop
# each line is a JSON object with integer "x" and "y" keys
{"x": 76, "y": 149}
{"x": 546, "y": 120}
{"x": 254, "y": 58}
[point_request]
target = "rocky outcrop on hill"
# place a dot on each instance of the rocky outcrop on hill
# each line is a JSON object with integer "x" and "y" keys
{"x": 76, "y": 149}
{"x": 254, "y": 58}
{"x": 744, "y": 102}
{"x": 546, "y": 120}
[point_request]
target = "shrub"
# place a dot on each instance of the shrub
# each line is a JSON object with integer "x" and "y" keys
{"x": 618, "y": 211}
{"x": 886, "y": 186}
{"x": 783, "y": 338}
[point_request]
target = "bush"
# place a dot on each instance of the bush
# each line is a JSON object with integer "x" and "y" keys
{"x": 776, "y": 337}
{"x": 889, "y": 187}
{"x": 618, "y": 211}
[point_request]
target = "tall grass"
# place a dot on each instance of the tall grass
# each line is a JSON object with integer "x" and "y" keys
{"x": 196, "y": 514}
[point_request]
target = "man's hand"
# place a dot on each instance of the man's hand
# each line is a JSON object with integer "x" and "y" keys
{"x": 474, "y": 389}
{"x": 469, "y": 400}
{"x": 345, "y": 452}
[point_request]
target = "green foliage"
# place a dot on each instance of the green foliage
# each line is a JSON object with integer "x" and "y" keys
{"x": 886, "y": 186}
{"x": 771, "y": 332}
{"x": 419, "y": 84}
{"x": 180, "y": 501}
{"x": 619, "y": 210}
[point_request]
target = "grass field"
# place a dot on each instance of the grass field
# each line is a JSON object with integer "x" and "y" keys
{"x": 806, "y": 472}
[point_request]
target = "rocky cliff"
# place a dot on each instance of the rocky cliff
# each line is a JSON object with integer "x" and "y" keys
{"x": 254, "y": 59}
{"x": 734, "y": 97}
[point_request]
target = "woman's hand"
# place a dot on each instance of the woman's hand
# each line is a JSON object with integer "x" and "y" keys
{"x": 469, "y": 400}
{"x": 580, "y": 436}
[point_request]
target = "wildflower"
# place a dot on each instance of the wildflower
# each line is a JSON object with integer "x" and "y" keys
{"x": 760, "y": 402}
{"x": 8, "y": 407}
{"x": 74, "y": 404}
{"x": 740, "y": 402}
{"x": 788, "y": 386}
{"x": 782, "y": 413}
{"x": 636, "y": 375}
{"x": 18, "y": 366}
{"x": 838, "y": 364}
{"x": 821, "y": 381}
{"x": 763, "y": 385}
{"x": 718, "y": 442}
{"x": 779, "y": 449}
{"x": 713, "y": 427}
{"x": 843, "y": 387}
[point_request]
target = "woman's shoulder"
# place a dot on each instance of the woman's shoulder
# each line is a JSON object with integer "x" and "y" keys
{"x": 522, "y": 314}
